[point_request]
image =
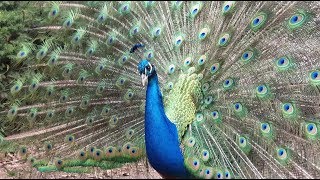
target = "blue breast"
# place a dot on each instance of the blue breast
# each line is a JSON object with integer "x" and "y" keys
{"x": 161, "y": 135}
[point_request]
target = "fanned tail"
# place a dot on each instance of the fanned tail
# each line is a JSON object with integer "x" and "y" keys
{"x": 239, "y": 79}
{"x": 263, "y": 119}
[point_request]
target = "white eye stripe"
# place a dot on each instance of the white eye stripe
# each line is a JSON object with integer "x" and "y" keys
{"x": 145, "y": 69}
{"x": 150, "y": 68}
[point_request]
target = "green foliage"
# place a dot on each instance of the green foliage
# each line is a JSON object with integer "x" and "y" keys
{"x": 16, "y": 17}
{"x": 1, "y": 137}
{"x": 6, "y": 146}
{"x": 11, "y": 173}
{"x": 39, "y": 163}
{"x": 51, "y": 168}
{"x": 77, "y": 166}
{"x": 77, "y": 170}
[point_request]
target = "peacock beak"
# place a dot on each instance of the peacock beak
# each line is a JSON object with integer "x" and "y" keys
{"x": 144, "y": 79}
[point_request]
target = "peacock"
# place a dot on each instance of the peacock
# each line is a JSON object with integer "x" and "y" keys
{"x": 201, "y": 89}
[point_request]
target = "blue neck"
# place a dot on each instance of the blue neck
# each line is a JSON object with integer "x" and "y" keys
{"x": 161, "y": 135}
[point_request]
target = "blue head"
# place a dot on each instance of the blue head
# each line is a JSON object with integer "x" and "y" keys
{"x": 146, "y": 69}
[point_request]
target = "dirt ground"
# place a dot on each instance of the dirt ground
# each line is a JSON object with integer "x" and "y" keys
{"x": 12, "y": 168}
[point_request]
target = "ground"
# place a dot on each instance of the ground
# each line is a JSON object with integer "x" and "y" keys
{"x": 12, "y": 168}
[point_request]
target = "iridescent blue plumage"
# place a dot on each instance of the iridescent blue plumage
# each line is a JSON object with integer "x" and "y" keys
{"x": 161, "y": 134}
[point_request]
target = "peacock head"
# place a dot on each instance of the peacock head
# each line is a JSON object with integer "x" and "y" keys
{"x": 146, "y": 69}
